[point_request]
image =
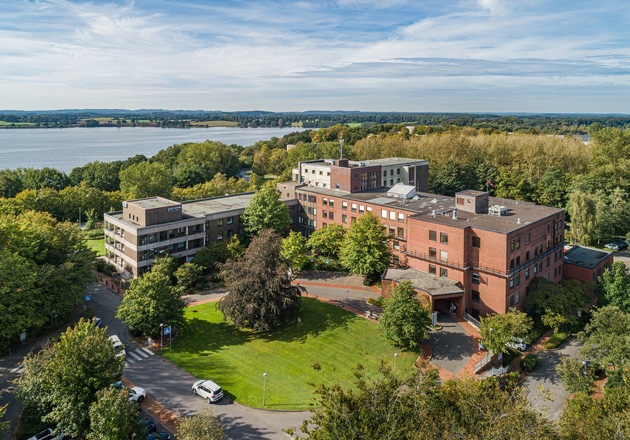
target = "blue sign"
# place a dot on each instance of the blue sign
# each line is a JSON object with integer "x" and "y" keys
{"x": 88, "y": 297}
{"x": 167, "y": 330}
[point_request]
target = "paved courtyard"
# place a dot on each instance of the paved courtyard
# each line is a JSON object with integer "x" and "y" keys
{"x": 452, "y": 346}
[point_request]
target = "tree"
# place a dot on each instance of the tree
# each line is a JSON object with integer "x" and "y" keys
{"x": 61, "y": 381}
{"x": 265, "y": 210}
{"x": 614, "y": 286}
{"x": 556, "y": 304}
{"x": 497, "y": 330}
{"x": 328, "y": 240}
{"x": 113, "y": 417}
{"x": 607, "y": 337}
{"x": 364, "y": 250}
{"x": 420, "y": 407}
{"x": 201, "y": 426}
{"x": 405, "y": 318}
{"x": 4, "y": 426}
{"x": 582, "y": 209}
{"x": 189, "y": 278}
{"x": 145, "y": 180}
{"x": 294, "y": 251}
{"x": 151, "y": 300}
{"x": 260, "y": 295}
{"x": 577, "y": 378}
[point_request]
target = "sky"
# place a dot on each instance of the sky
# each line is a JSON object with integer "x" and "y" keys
{"x": 540, "y": 56}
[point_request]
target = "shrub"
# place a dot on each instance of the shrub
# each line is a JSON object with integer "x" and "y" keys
{"x": 378, "y": 301}
{"x": 530, "y": 362}
{"x": 93, "y": 234}
{"x": 104, "y": 267}
{"x": 556, "y": 340}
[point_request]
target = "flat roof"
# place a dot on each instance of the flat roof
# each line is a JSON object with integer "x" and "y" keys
{"x": 153, "y": 202}
{"x": 439, "y": 209}
{"x": 585, "y": 256}
{"x": 389, "y": 161}
{"x": 431, "y": 284}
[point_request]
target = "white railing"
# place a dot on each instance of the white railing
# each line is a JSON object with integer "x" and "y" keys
{"x": 472, "y": 321}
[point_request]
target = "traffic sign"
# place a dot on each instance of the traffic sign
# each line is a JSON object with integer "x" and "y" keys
{"x": 167, "y": 330}
{"x": 88, "y": 297}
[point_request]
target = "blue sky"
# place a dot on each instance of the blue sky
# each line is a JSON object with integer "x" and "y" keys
{"x": 369, "y": 55}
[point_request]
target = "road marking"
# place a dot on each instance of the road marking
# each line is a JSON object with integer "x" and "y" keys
{"x": 129, "y": 362}
{"x": 147, "y": 351}
{"x": 18, "y": 369}
{"x": 134, "y": 355}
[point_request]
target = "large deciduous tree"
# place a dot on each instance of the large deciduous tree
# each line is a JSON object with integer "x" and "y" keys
{"x": 364, "y": 250}
{"x": 328, "y": 240}
{"x": 294, "y": 251}
{"x": 114, "y": 417}
{"x": 265, "y": 210}
{"x": 405, "y": 318}
{"x": 260, "y": 294}
{"x": 607, "y": 337}
{"x": 145, "y": 180}
{"x": 151, "y": 300}
{"x": 497, "y": 330}
{"x": 420, "y": 407}
{"x": 201, "y": 426}
{"x": 61, "y": 381}
{"x": 614, "y": 286}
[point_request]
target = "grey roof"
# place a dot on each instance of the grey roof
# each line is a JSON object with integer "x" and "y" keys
{"x": 389, "y": 161}
{"x": 439, "y": 209}
{"x": 426, "y": 282}
{"x": 153, "y": 202}
{"x": 401, "y": 190}
{"x": 585, "y": 256}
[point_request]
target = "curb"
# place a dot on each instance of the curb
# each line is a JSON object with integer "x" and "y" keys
{"x": 157, "y": 411}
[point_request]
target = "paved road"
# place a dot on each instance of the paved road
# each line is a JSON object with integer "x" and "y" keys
{"x": 546, "y": 377}
{"x": 452, "y": 346}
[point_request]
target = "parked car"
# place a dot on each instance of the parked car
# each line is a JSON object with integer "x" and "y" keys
{"x": 98, "y": 322}
{"x": 612, "y": 246}
{"x": 137, "y": 394}
{"x": 49, "y": 434}
{"x": 150, "y": 426}
{"x": 119, "y": 348}
{"x": 208, "y": 390}
{"x": 517, "y": 344}
{"x": 159, "y": 435}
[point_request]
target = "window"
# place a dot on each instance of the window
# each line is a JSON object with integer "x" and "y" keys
{"x": 443, "y": 237}
{"x": 331, "y": 215}
{"x": 432, "y": 236}
{"x": 344, "y": 205}
{"x": 369, "y": 209}
{"x": 527, "y": 256}
{"x": 476, "y": 242}
{"x": 383, "y": 213}
{"x": 401, "y": 232}
{"x": 432, "y": 252}
{"x": 391, "y": 172}
{"x": 325, "y": 201}
{"x": 220, "y": 235}
{"x": 361, "y": 209}
{"x": 401, "y": 217}
{"x": 518, "y": 261}
{"x": 324, "y": 213}
{"x": 230, "y": 220}
{"x": 395, "y": 260}
{"x": 391, "y": 182}
{"x": 392, "y": 230}
{"x": 443, "y": 272}
{"x": 331, "y": 203}
{"x": 518, "y": 243}
{"x": 517, "y": 279}
{"x": 384, "y": 173}
{"x": 353, "y": 219}
{"x": 432, "y": 269}
{"x": 476, "y": 278}
{"x": 398, "y": 171}
{"x": 220, "y": 222}
{"x": 527, "y": 273}
{"x": 517, "y": 297}
{"x": 460, "y": 201}
{"x": 512, "y": 263}
{"x": 475, "y": 296}
{"x": 392, "y": 215}
{"x": 512, "y": 301}
{"x": 511, "y": 282}
{"x": 527, "y": 238}
{"x": 512, "y": 244}
{"x": 353, "y": 208}
{"x": 396, "y": 245}
{"x": 344, "y": 218}
{"x": 443, "y": 255}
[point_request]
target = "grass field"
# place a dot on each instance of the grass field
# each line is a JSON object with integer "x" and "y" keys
{"x": 17, "y": 124}
{"x": 329, "y": 337}
{"x": 97, "y": 245}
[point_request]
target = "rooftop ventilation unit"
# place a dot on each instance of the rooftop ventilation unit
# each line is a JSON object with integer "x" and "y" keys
{"x": 498, "y": 210}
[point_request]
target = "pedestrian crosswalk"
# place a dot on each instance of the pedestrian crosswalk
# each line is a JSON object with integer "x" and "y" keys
{"x": 18, "y": 369}
{"x": 137, "y": 355}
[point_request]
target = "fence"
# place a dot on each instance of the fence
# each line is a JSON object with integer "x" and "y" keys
{"x": 472, "y": 321}
{"x": 483, "y": 362}
{"x": 497, "y": 370}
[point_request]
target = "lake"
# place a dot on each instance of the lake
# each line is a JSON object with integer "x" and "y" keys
{"x": 67, "y": 148}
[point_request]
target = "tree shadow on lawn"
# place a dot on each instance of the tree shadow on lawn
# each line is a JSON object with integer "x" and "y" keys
{"x": 316, "y": 317}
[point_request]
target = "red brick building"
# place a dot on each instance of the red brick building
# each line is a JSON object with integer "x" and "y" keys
{"x": 585, "y": 264}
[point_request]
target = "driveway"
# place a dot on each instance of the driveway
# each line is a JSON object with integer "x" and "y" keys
{"x": 171, "y": 386}
{"x": 551, "y": 399}
{"x": 452, "y": 346}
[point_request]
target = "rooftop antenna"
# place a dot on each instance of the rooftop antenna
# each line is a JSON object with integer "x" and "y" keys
{"x": 341, "y": 146}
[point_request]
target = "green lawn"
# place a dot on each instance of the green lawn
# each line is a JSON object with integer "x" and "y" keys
{"x": 211, "y": 348}
{"x": 97, "y": 245}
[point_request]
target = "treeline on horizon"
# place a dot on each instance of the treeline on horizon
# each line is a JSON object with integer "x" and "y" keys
{"x": 589, "y": 180}
{"x": 576, "y": 124}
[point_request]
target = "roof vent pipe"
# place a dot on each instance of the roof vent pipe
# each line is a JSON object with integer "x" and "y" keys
{"x": 454, "y": 214}
{"x": 518, "y": 221}
{"x": 433, "y": 213}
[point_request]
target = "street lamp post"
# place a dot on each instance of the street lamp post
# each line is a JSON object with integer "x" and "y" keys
{"x": 395, "y": 357}
{"x": 161, "y": 337}
{"x": 264, "y": 389}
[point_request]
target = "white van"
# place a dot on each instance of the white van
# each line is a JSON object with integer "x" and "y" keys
{"x": 119, "y": 348}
